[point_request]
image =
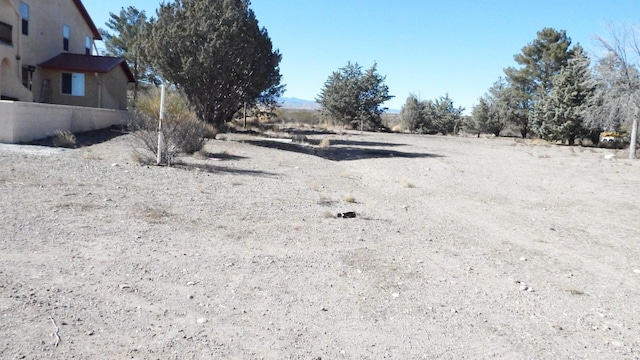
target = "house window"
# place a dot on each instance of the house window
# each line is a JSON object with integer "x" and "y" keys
{"x": 6, "y": 35}
{"x": 24, "y": 14}
{"x": 87, "y": 45}
{"x": 66, "y": 33}
{"x": 73, "y": 84}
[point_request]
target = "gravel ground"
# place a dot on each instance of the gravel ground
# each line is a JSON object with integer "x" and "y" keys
{"x": 460, "y": 248}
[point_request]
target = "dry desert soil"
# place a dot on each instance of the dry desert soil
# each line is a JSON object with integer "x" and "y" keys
{"x": 461, "y": 248}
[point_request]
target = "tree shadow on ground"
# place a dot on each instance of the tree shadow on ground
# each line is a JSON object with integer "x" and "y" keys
{"x": 210, "y": 168}
{"x": 342, "y": 142}
{"x": 221, "y": 156}
{"x": 338, "y": 153}
{"x": 305, "y": 132}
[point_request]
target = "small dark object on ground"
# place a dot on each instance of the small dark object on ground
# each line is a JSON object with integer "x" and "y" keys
{"x": 347, "y": 215}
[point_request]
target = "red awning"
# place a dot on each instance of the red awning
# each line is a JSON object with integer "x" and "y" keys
{"x": 87, "y": 64}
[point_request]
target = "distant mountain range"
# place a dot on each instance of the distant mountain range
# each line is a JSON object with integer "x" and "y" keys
{"x": 301, "y": 104}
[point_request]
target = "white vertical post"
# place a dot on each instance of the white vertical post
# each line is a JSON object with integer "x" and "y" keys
{"x": 245, "y": 115}
{"x": 634, "y": 137}
{"x": 160, "y": 135}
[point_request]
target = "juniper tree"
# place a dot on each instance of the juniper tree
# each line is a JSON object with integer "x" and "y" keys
{"x": 354, "y": 97}
{"x": 412, "y": 114}
{"x": 217, "y": 54}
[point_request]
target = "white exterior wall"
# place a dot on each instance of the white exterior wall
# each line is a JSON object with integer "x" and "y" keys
{"x": 23, "y": 121}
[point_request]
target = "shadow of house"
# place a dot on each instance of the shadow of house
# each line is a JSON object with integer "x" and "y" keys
{"x": 86, "y": 138}
{"x": 338, "y": 153}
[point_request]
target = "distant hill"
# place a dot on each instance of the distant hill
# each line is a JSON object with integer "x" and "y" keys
{"x": 301, "y": 104}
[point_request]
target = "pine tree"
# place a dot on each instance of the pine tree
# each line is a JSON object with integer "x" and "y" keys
{"x": 559, "y": 115}
{"x": 541, "y": 60}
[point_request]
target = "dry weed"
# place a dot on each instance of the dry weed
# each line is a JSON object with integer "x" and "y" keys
{"x": 324, "y": 144}
{"x": 138, "y": 157}
{"x": 575, "y": 292}
{"x": 325, "y": 201}
{"x": 209, "y": 131}
{"x": 154, "y": 215}
{"x": 327, "y": 215}
{"x": 406, "y": 184}
{"x": 64, "y": 139}
{"x": 88, "y": 155}
{"x": 315, "y": 186}
{"x": 349, "y": 199}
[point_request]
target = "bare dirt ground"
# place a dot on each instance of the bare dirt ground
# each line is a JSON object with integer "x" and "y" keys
{"x": 461, "y": 248}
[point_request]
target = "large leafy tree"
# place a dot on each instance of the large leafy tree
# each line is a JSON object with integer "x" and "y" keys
{"x": 217, "y": 54}
{"x": 540, "y": 61}
{"x": 125, "y": 38}
{"x": 354, "y": 97}
{"x": 560, "y": 114}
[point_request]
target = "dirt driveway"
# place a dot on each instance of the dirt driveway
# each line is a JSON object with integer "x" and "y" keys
{"x": 460, "y": 248}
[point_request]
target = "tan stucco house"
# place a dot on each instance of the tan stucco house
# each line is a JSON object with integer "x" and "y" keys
{"x": 47, "y": 55}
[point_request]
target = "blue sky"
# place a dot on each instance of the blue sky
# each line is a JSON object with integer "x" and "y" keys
{"x": 425, "y": 47}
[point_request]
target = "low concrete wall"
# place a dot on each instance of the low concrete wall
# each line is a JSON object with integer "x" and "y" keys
{"x": 25, "y": 121}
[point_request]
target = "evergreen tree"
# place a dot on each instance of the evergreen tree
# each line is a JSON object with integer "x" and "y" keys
{"x": 443, "y": 116}
{"x": 540, "y": 61}
{"x": 493, "y": 110}
{"x": 560, "y": 114}
{"x": 127, "y": 40}
{"x": 412, "y": 114}
{"x": 354, "y": 97}
{"x": 216, "y": 53}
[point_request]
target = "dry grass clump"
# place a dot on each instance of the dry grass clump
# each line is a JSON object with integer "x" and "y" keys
{"x": 349, "y": 199}
{"x": 88, "y": 155}
{"x": 575, "y": 292}
{"x": 64, "y": 139}
{"x": 324, "y": 144}
{"x": 325, "y": 201}
{"x": 327, "y": 215}
{"x": 397, "y": 128}
{"x": 210, "y": 131}
{"x": 406, "y": 184}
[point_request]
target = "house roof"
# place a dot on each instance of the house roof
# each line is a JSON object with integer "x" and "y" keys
{"x": 87, "y": 18}
{"x": 87, "y": 63}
